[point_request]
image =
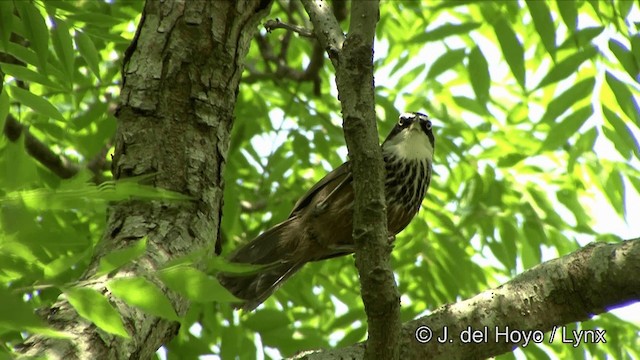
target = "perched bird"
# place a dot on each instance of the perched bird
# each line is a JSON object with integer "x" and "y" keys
{"x": 320, "y": 224}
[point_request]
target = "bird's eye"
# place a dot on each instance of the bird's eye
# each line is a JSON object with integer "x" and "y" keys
{"x": 428, "y": 125}
{"x": 403, "y": 118}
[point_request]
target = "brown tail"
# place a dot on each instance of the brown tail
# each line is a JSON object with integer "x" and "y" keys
{"x": 266, "y": 249}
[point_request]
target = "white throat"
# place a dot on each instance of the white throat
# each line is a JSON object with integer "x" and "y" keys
{"x": 412, "y": 145}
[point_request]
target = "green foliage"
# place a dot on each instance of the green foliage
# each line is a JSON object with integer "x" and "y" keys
{"x": 94, "y": 307}
{"x": 524, "y": 97}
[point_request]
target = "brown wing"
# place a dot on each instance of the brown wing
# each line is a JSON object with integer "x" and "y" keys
{"x": 340, "y": 176}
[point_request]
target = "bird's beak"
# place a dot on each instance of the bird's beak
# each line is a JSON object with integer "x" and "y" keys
{"x": 415, "y": 126}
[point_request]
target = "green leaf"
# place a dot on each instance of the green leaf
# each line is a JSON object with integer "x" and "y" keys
{"x": 117, "y": 258}
{"x": 35, "y": 102}
{"x": 89, "y": 52}
{"x": 626, "y": 58}
{"x": 36, "y": 31}
{"x": 445, "y": 62}
{"x": 508, "y": 236}
{"x": 615, "y": 192}
{"x": 567, "y": 66}
{"x": 143, "y": 294}
{"x": 635, "y": 49}
{"x": 581, "y": 37}
{"x": 569, "y": 12}
{"x": 195, "y": 285}
{"x": 64, "y": 263}
{"x": 63, "y": 46}
{"x": 4, "y": 107}
{"x": 17, "y": 315}
{"x": 569, "y": 198}
{"x": 624, "y": 97}
{"x": 583, "y": 144}
{"x": 217, "y": 263}
{"x": 624, "y": 7}
{"x": 565, "y": 129}
{"x": 565, "y": 100}
{"x": 94, "y": 307}
{"x": 511, "y": 49}
{"x": 6, "y": 23}
{"x": 469, "y": 104}
{"x": 544, "y": 25}
{"x": 622, "y": 138}
{"x": 267, "y": 320}
{"x": 479, "y": 75}
{"x": 102, "y": 20}
{"x": 23, "y": 73}
{"x": 444, "y": 31}
{"x": 534, "y": 236}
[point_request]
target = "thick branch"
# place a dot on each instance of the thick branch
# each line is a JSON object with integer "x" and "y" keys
{"x": 590, "y": 281}
{"x": 326, "y": 27}
{"x": 180, "y": 84}
{"x": 354, "y": 79}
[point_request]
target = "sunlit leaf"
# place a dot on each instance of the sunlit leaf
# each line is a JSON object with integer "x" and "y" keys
{"x": 624, "y": 97}
{"x": 63, "y": 45}
{"x": 568, "y": 66}
{"x": 479, "y": 75}
{"x": 26, "y": 74}
{"x": 626, "y": 58}
{"x": 616, "y": 192}
{"x": 569, "y": 13}
{"x": 117, "y": 258}
{"x": 95, "y": 307}
{"x": 36, "y": 31}
{"x": 544, "y": 24}
{"x": 565, "y": 100}
{"x": 64, "y": 263}
{"x": 89, "y": 52}
{"x": 582, "y": 37}
{"x": 445, "y": 31}
{"x": 17, "y": 315}
{"x": 35, "y": 102}
{"x": 511, "y": 49}
{"x": 195, "y": 285}
{"x": 143, "y": 294}
{"x": 622, "y": 136}
{"x": 445, "y": 62}
{"x": 6, "y": 23}
{"x": 566, "y": 128}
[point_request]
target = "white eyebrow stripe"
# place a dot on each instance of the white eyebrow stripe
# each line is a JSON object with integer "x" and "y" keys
{"x": 407, "y": 116}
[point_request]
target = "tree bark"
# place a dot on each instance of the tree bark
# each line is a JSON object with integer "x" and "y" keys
{"x": 352, "y": 57}
{"x": 534, "y": 304}
{"x": 180, "y": 83}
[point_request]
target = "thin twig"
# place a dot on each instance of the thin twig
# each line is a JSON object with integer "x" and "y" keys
{"x": 277, "y": 24}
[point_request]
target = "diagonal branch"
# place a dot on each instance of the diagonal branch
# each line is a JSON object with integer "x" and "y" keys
{"x": 58, "y": 164}
{"x": 575, "y": 287}
{"x": 326, "y": 27}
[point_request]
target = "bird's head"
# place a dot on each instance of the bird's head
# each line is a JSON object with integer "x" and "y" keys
{"x": 411, "y": 138}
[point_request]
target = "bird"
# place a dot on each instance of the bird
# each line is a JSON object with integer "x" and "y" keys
{"x": 320, "y": 224}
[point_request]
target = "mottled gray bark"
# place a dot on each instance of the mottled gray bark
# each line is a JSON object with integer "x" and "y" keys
{"x": 352, "y": 57}
{"x": 180, "y": 82}
{"x": 532, "y": 307}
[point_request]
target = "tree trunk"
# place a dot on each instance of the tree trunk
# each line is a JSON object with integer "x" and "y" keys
{"x": 180, "y": 83}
